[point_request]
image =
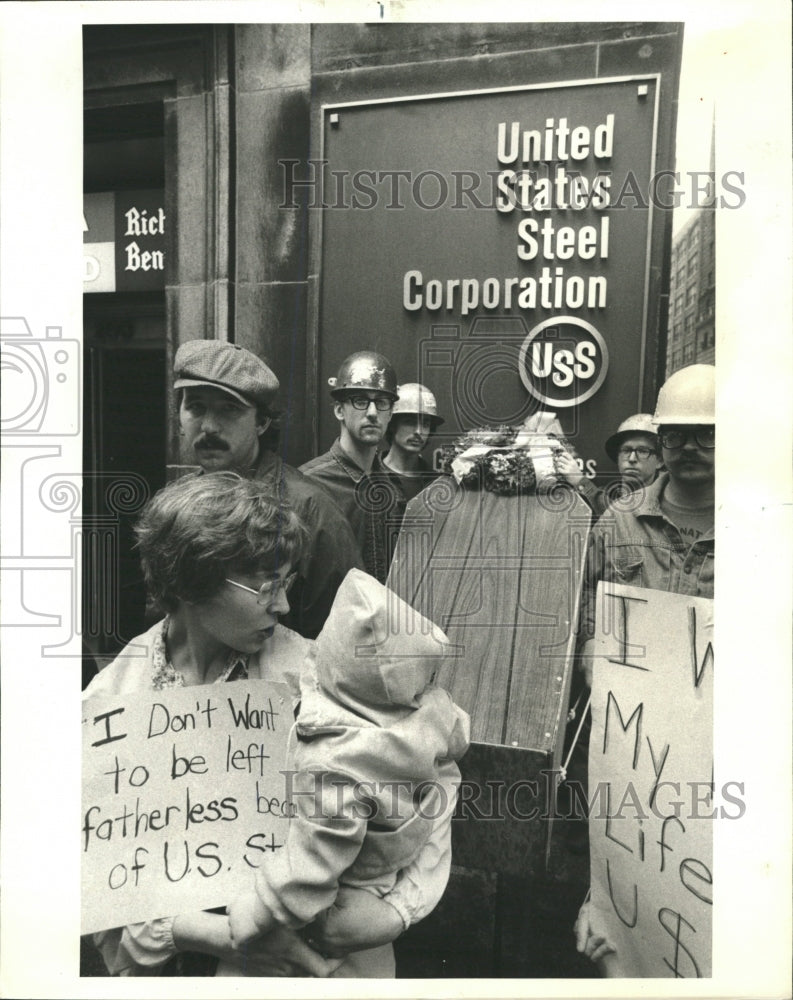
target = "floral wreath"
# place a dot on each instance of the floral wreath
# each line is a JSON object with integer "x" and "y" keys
{"x": 509, "y": 460}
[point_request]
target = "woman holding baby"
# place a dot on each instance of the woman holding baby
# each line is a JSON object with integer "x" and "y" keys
{"x": 218, "y": 556}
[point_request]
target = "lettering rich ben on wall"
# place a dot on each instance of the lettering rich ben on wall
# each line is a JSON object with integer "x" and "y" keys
{"x": 124, "y": 241}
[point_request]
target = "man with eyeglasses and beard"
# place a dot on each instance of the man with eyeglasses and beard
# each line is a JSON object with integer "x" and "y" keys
{"x": 634, "y": 450}
{"x": 226, "y": 397}
{"x": 364, "y": 393}
{"x": 663, "y": 538}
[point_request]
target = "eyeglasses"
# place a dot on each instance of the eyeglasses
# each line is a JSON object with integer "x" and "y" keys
{"x": 641, "y": 452}
{"x": 363, "y": 402}
{"x": 268, "y": 591}
{"x": 675, "y": 437}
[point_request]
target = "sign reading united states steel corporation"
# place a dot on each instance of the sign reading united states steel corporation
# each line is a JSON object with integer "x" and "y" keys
{"x": 496, "y": 246}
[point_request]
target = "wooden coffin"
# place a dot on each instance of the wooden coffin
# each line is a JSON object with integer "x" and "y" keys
{"x": 501, "y": 575}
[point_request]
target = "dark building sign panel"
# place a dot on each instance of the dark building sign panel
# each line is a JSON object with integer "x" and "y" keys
{"x": 495, "y": 245}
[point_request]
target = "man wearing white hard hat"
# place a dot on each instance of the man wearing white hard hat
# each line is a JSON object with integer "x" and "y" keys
{"x": 633, "y": 448}
{"x": 666, "y": 541}
{"x": 413, "y": 418}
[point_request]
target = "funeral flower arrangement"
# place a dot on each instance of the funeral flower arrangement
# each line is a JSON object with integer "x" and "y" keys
{"x": 508, "y": 460}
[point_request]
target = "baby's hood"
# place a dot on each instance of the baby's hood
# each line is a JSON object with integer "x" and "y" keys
{"x": 376, "y": 652}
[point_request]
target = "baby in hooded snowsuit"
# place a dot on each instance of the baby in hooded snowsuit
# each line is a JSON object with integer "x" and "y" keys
{"x": 372, "y": 749}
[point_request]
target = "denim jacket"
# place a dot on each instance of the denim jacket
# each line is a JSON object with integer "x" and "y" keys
{"x": 635, "y": 543}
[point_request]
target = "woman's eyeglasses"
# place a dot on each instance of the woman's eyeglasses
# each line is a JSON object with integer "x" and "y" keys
{"x": 268, "y": 591}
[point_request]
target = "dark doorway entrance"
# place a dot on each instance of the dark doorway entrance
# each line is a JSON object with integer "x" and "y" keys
{"x": 124, "y": 405}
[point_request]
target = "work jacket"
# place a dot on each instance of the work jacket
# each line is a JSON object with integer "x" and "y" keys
{"x": 635, "y": 543}
{"x": 369, "y": 500}
{"x": 331, "y": 551}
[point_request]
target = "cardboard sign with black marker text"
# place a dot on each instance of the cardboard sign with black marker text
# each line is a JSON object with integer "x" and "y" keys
{"x": 651, "y": 782}
{"x": 183, "y": 797}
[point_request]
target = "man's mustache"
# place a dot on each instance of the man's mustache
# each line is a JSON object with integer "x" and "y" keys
{"x": 210, "y": 442}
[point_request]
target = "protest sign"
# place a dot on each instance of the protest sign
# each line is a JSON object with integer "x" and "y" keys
{"x": 183, "y": 797}
{"x": 651, "y": 788}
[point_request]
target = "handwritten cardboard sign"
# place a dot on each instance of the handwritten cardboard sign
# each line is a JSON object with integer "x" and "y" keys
{"x": 183, "y": 797}
{"x": 651, "y": 781}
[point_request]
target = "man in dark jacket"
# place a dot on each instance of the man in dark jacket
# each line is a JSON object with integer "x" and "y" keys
{"x": 364, "y": 392}
{"x": 226, "y": 396}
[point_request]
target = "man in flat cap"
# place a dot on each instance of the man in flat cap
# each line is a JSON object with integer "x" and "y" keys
{"x": 225, "y": 396}
{"x": 364, "y": 392}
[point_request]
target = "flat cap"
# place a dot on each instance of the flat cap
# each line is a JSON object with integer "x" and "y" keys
{"x": 224, "y": 366}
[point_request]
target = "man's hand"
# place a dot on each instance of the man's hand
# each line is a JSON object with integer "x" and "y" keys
{"x": 593, "y": 944}
{"x": 357, "y": 920}
{"x": 568, "y": 468}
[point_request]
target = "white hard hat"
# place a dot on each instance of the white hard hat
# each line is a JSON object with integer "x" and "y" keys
{"x": 417, "y": 398}
{"x": 639, "y": 423}
{"x": 688, "y": 397}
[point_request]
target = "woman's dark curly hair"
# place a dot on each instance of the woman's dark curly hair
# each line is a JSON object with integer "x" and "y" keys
{"x": 198, "y": 530}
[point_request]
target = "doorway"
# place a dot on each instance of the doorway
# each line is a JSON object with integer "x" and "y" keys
{"x": 124, "y": 367}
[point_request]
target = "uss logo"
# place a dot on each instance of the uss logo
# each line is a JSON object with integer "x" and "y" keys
{"x": 563, "y": 361}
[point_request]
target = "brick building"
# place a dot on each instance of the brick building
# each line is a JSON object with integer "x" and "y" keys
{"x": 691, "y": 334}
